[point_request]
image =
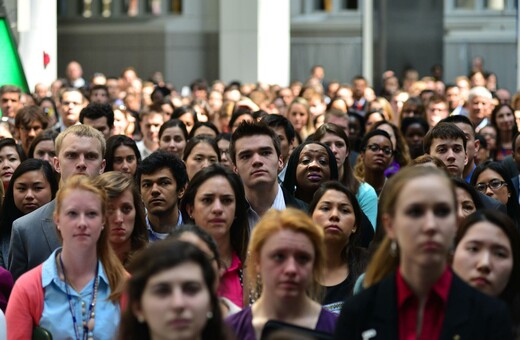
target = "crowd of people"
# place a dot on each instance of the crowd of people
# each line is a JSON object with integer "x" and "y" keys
{"x": 255, "y": 211}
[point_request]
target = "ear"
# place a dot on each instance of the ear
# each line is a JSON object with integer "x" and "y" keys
{"x": 136, "y": 310}
{"x": 181, "y": 191}
{"x": 280, "y": 163}
{"x": 56, "y": 163}
{"x": 102, "y": 167}
{"x": 477, "y": 145}
{"x": 348, "y": 153}
{"x": 189, "y": 209}
{"x": 388, "y": 225}
{"x": 465, "y": 158}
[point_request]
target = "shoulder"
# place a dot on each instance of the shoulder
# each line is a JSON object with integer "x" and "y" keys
{"x": 27, "y": 221}
{"x": 291, "y": 201}
{"x": 326, "y": 321}
{"x": 241, "y": 323}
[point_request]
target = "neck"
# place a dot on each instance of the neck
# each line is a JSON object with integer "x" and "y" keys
{"x": 122, "y": 249}
{"x": 376, "y": 179}
{"x": 468, "y": 169}
{"x": 281, "y": 309}
{"x": 225, "y": 249}
{"x": 150, "y": 145}
{"x": 505, "y": 137}
{"x": 420, "y": 278}
{"x": 333, "y": 256}
{"x": 164, "y": 223}
{"x": 341, "y": 171}
{"x": 80, "y": 266}
{"x": 261, "y": 198}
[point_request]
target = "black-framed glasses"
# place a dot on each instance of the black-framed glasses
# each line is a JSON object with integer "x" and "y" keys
{"x": 494, "y": 184}
{"x": 376, "y": 148}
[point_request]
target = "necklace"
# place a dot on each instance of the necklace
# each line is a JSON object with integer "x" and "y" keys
{"x": 88, "y": 325}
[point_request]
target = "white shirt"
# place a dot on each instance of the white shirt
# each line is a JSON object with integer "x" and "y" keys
{"x": 278, "y": 204}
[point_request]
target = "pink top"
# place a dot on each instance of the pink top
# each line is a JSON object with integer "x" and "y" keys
{"x": 230, "y": 285}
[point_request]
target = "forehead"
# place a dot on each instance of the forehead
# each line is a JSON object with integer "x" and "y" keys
{"x": 70, "y": 95}
{"x": 124, "y": 150}
{"x": 447, "y": 142}
{"x": 11, "y": 95}
{"x": 313, "y": 148}
{"x": 332, "y": 195}
{"x": 426, "y": 189}
{"x": 485, "y": 230}
{"x": 153, "y": 117}
{"x": 218, "y": 184}
{"x": 287, "y": 239}
{"x": 160, "y": 173}
{"x": 468, "y": 130}
{"x": 489, "y": 173}
{"x": 253, "y": 142}
{"x": 379, "y": 140}
{"x": 202, "y": 148}
{"x": 80, "y": 143}
{"x": 8, "y": 149}
{"x": 96, "y": 121}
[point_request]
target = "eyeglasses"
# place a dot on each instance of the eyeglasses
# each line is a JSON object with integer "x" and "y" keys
{"x": 494, "y": 184}
{"x": 376, "y": 148}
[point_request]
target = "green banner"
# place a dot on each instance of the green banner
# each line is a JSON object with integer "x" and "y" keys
{"x": 11, "y": 69}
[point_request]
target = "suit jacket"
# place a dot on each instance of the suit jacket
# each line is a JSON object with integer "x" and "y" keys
{"x": 469, "y": 314}
{"x": 293, "y": 202}
{"x": 33, "y": 239}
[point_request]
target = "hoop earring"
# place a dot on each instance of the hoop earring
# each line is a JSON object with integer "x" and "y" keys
{"x": 393, "y": 248}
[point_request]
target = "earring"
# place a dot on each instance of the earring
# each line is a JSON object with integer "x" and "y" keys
{"x": 393, "y": 248}
{"x": 209, "y": 315}
{"x": 140, "y": 318}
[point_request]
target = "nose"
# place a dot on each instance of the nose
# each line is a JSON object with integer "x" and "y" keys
{"x": 46, "y": 157}
{"x": 155, "y": 189}
{"x": 334, "y": 214}
{"x": 32, "y": 132}
{"x": 125, "y": 165}
{"x": 177, "y": 299}
{"x": 29, "y": 195}
{"x": 217, "y": 206}
{"x": 430, "y": 223}
{"x": 484, "y": 262}
{"x": 450, "y": 154}
{"x": 81, "y": 162}
{"x": 205, "y": 163}
{"x": 257, "y": 160}
{"x": 118, "y": 216}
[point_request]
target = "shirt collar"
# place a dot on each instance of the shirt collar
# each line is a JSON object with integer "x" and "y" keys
{"x": 50, "y": 270}
{"x": 441, "y": 288}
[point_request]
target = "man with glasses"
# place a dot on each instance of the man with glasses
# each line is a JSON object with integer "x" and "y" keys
{"x": 29, "y": 121}
{"x": 72, "y": 102}
{"x": 376, "y": 155}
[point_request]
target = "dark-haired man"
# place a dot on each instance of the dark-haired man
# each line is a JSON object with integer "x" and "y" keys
{"x": 255, "y": 153}
{"x": 100, "y": 117}
{"x": 162, "y": 178}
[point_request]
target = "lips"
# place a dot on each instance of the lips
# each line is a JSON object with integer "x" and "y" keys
{"x": 314, "y": 177}
{"x": 118, "y": 231}
{"x": 82, "y": 235}
{"x": 480, "y": 281}
{"x": 156, "y": 201}
{"x": 180, "y": 323}
{"x": 7, "y": 174}
{"x": 431, "y": 246}
{"x": 30, "y": 206}
{"x": 258, "y": 172}
{"x": 217, "y": 221}
{"x": 333, "y": 229}
{"x": 289, "y": 284}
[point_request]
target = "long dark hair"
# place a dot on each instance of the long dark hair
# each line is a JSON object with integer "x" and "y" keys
{"x": 511, "y": 293}
{"x": 514, "y": 130}
{"x": 351, "y": 253}
{"x": 113, "y": 143}
{"x": 9, "y": 210}
{"x": 161, "y": 256}
{"x": 289, "y": 182}
{"x": 239, "y": 231}
{"x": 350, "y": 181}
{"x": 513, "y": 208}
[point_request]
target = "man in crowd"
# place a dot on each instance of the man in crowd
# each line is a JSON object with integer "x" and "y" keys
{"x": 10, "y": 100}
{"x": 29, "y": 121}
{"x": 151, "y": 120}
{"x": 100, "y": 117}
{"x": 72, "y": 102}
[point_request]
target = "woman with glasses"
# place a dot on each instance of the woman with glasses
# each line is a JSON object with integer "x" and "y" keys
{"x": 375, "y": 157}
{"x": 491, "y": 179}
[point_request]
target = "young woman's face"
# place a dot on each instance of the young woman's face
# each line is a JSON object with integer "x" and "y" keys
{"x": 80, "y": 219}
{"x": 31, "y": 190}
{"x": 465, "y": 204}
{"x": 335, "y": 214}
{"x": 424, "y": 222}
{"x": 338, "y": 147}
{"x": 125, "y": 160}
{"x": 484, "y": 258}
{"x": 45, "y": 151}
{"x": 9, "y": 161}
{"x": 488, "y": 178}
{"x": 187, "y": 119}
{"x": 175, "y": 303}
{"x": 313, "y": 167}
{"x": 121, "y": 217}
{"x": 377, "y": 160}
{"x": 214, "y": 207}
{"x": 505, "y": 119}
{"x": 298, "y": 116}
{"x": 223, "y": 147}
{"x": 285, "y": 264}
{"x": 172, "y": 140}
{"x": 201, "y": 156}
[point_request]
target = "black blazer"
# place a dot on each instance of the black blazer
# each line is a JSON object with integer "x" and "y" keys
{"x": 469, "y": 314}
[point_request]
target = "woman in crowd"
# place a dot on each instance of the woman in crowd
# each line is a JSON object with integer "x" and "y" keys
{"x": 204, "y": 129}
{"x": 122, "y": 155}
{"x": 75, "y": 293}
{"x": 205, "y": 242}
{"x": 401, "y": 151}
{"x": 335, "y": 138}
{"x": 49, "y": 108}
{"x": 187, "y": 115}
{"x": 215, "y": 201}
{"x": 298, "y": 113}
{"x": 42, "y": 146}
{"x": 503, "y": 119}
{"x": 412, "y": 292}
{"x": 491, "y": 179}
{"x": 373, "y": 117}
{"x": 125, "y": 215}
{"x": 413, "y": 130}
{"x": 309, "y": 165}
{"x": 468, "y": 200}
{"x": 240, "y": 115}
{"x": 335, "y": 209}
{"x": 200, "y": 152}
{"x": 173, "y": 137}
{"x": 487, "y": 257}
{"x": 356, "y": 131}
{"x": 33, "y": 184}
{"x": 489, "y": 132}
{"x": 171, "y": 295}
{"x": 284, "y": 270}
{"x": 11, "y": 155}
{"x": 375, "y": 157}
{"x": 223, "y": 140}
